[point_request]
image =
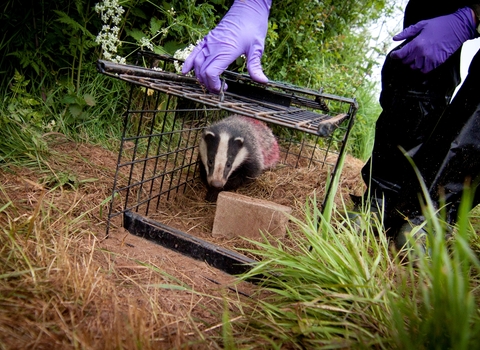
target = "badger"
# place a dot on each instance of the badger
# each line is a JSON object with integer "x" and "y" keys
{"x": 234, "y": 151}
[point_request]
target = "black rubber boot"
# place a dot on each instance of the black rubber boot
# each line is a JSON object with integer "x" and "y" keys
{"x": 412, "y": 230}
{"x": 366, "y": 212}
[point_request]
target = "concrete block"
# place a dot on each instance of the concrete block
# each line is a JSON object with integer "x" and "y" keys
{"x": 238, "y": 215}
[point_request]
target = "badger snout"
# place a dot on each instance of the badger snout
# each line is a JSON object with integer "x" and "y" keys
{"x": 217, "y": 184}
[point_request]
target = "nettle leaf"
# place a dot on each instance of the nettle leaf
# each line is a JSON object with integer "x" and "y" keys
{"x": 75, "y": 110}
{"x": 83, "y": 116}
{"x": 155, "y": 25}
{"x": 136, "y": 34}
{"x": 172, "y": 46}
{"x": 138, "y": 13}
{"x": 159, "y": 50}
{"x": 89, "y": 100}
{"x": 68, "y": 99}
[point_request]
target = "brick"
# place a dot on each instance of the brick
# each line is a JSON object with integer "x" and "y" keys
{"x": 238, "y": 215}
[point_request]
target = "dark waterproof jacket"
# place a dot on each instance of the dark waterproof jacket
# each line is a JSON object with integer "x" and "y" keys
{"x": 418, "y": 10}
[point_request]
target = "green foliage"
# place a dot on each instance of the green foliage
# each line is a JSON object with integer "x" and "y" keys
{"x": 21, "y": 144}
{"x": 21, "y": 124}
{"x": 48, "y": 50}
{"x": 77, "y": 106}
{"x": 316, "y": 44}
{"x": 48, "y": 38}
{"x": 311, "y": 40}
{"x": 165, "y": 27}
{"x": 91, "y": 113}
{"x": 80, "y": 39}
{"x": 327, "y": 287}
{"x": 362, "y": 135}
{"x": 23, "y": 106}
{"x": 442, "y": 312}
{"x": 64, "y": 180}
{"x": 88, "y": 114}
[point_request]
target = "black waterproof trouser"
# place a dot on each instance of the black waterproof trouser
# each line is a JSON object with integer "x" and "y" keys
{"x": 441, "y": 135}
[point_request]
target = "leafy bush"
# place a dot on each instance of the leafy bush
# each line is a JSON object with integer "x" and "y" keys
{"x": 54, "y": 46}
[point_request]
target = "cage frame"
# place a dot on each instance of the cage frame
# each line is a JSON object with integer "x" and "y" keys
{"x": 273, "y": 102}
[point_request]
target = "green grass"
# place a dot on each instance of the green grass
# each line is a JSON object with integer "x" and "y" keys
{"x": 31, "y": 113}
{"x": 327, "y": 287}
{"x": 331, "y": 286}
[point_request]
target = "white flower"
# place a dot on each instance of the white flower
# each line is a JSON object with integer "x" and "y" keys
{"x": 116, "y": 20}
{"x": 110, "y": 12}
{"x": 119, "y": 60}
{"x": 144, "y": 42}
{"x": 182, "y": 55}
{"x": 163, "y": 31}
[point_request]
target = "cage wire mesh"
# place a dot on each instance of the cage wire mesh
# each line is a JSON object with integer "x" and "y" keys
{"x": 166, "y": 112}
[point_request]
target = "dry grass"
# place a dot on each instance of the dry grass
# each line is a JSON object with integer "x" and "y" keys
{"x": 63, "y": 286}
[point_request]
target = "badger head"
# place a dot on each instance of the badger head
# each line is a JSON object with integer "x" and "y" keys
{"x": 221, "y": 154}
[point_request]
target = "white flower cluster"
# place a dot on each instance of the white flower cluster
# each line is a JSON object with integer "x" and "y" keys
{"x": 145, "y": 42}
{"x": 182, "y": 55}
{"x": 163, "y": 31}
{"x": 111, "y": 14}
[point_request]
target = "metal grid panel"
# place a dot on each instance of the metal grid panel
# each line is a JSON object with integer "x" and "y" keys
{"x": 158, "y": 155}
{"x": 286, "y": 105}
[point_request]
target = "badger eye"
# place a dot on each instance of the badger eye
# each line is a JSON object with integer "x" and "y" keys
{"x": 210, "y": 162}
{"x": 229, "y": 165}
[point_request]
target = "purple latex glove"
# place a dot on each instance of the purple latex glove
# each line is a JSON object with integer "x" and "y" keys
{"x": 434, "y": 40}
{"x": 241, "y": 31}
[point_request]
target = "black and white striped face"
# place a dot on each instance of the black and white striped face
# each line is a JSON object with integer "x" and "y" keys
{"x": 221, "y": 154}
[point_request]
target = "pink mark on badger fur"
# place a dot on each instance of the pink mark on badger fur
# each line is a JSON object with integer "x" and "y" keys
{"x": 270, "y": 149}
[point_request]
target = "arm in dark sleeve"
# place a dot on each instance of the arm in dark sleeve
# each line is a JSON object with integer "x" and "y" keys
{"x": 417, "y": 10}
{"x": 476, "y": 8}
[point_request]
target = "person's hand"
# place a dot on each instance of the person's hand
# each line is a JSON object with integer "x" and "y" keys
{"x": 241, "y": 31}
{"x": 434, "y": 40}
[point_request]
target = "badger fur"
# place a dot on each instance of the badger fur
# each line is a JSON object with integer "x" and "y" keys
{"x": 234, "y": 151}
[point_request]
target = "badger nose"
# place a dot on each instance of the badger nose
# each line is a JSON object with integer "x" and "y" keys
{"x": 216, "y": 184}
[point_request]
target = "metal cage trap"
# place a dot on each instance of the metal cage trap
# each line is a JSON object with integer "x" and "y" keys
{"x": 165, "y": 115}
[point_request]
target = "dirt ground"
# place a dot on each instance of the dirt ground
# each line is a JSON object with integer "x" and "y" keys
{"x": 91, "y": 169}
{"x": 81, "y": 183}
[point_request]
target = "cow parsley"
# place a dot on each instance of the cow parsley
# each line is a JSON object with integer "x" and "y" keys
{"x": 110, "y": 12}
{"x": 182, "y": 55}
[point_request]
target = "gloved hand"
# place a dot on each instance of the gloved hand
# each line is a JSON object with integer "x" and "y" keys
{"x": 434, "y": 40}
{"x": 241, "y": 31}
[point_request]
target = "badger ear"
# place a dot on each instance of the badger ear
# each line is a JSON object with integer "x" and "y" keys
{"x": 239, "y": 141}
{"x": 208, "y": 134}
